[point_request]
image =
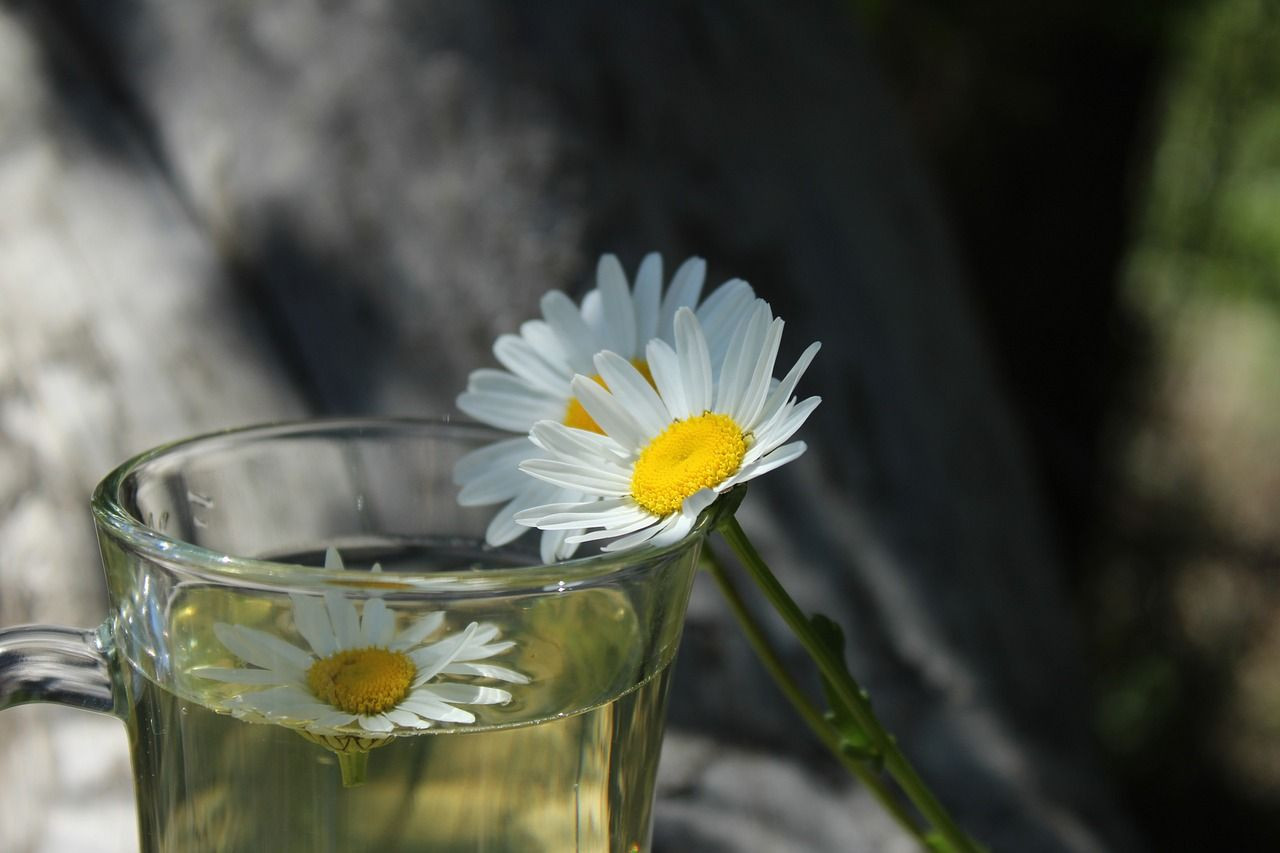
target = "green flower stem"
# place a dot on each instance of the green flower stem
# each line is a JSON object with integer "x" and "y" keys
{"x": 354, "y": 766}
{"x": 948, "y": 834}
{"x": 811, "y": 715}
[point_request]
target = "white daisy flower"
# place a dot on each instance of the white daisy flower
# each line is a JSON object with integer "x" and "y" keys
{"x": 542, "y": 360}
{"x": 360, "y": 681}
{"x": 666, "y": 454}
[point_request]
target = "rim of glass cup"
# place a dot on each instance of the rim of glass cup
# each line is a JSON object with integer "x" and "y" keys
{"x": 216, "y": 566}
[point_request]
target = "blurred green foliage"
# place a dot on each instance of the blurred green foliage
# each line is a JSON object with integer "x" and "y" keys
{"x": 1211, "y": 216}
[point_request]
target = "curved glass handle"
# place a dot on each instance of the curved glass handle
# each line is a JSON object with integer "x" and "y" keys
{"x": 48, "y": 663}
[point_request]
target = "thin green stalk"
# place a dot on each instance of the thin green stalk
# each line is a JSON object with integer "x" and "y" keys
{"x": 848, "y": 690}
{"x": 354, "y": 766}
{"x": 808, "y": 712}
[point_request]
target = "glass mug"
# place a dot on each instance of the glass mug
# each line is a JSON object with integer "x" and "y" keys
{"x": 451, "y": 697}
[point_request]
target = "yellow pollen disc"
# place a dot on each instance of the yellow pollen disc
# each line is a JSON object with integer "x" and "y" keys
{"x": 698, "y": 453}
{"x": 576, "y": 416}
{"x": 362, "y": 681}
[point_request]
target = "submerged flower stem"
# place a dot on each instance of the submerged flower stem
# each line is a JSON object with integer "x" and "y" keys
{"x": 354, "y": 766}
{"x": 949, "y": 836}
{"x": 812, "y": 716}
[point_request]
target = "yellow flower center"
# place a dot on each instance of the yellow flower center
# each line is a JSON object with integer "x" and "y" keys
{"x": 693, "y": 454}
{"x": 576, "y": 416}
{"x": 362, "y": 681}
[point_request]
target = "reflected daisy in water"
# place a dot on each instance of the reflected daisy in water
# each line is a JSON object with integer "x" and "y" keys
{"x": 670, "y": 448}
{"x": 360, "y": 681}
{"x": 541, "y": 362}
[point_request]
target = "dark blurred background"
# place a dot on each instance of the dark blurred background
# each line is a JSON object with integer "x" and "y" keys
{"x": 1112, "y": 173}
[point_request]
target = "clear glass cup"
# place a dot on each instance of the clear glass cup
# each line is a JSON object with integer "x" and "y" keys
{"x": 456, "y": 698}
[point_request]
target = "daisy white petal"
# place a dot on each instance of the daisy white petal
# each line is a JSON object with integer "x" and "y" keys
{"x": 425, "y": 704}
{"x": 792, "y": 418}
{"x": 377, "y": 625}
{"x": 677, "y": 529}
{"x": 664, "y": 366}
{"x": 261, "y": 649}
{"x": 488, "y": 380}
{"x": 555, "y": 510}
{"x": 496, "y": 391}
{"x": 697, "y": 502}
{"x": 695, "y": 362}
{"x": 619, "y": 528}
{"x": 512, "y": 412}
{"x": 634, "y": 392}
{"x": 720, "y": 317}
{"x": 379, "y": 724}
{"x": 484, "y": 632}
{"x": 485, "y": 670}
{"x": 526, "y": 362}
{"x": 749, "y": 407}
{"x": 585, "y": 478}
{"x": 431, "y": 659}
{"x": 562, "y": 440}
{"x": 785, "y": 427}
{"x": 617, "y": 423}
{"x": 619, "y": 310}
{"x": 484, "y": 650}
{"x": 573, "y": 333}
{"x": 725, "y": 302}
{"x": 740, "y": 358}
{"x": 244, "y": 676}
{"x": 555, "y": 546}
{"x": 330, "y": 720}
{"x": 648, "y": 297}
{"x": 407, "y": 719}
{"x": 592, "y": 310}
{"x": 501, "y": 454}
{"x": 346, "y": 622}
{"x": 543, "y": 339}
{"x": 641, "y": 537}
{"x": 311, "y": 618}
{"x": 686, "y": 287}
{"x": 572, "y": 515}
{"x": 782, "y": 392}
{"x": 503, "y": 527}
{"x": 471, "y": 694}
{"x": 784, "y": 454}
{"x": 289, "y": 700}
{"x": 501, "y": 482}
{"x": 419, "y": 630}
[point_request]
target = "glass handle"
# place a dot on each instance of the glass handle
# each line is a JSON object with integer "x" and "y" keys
{"x": 49, "y": 663}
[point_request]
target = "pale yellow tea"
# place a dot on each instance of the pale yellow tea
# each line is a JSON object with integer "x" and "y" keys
{"x": 567, "y": 765}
